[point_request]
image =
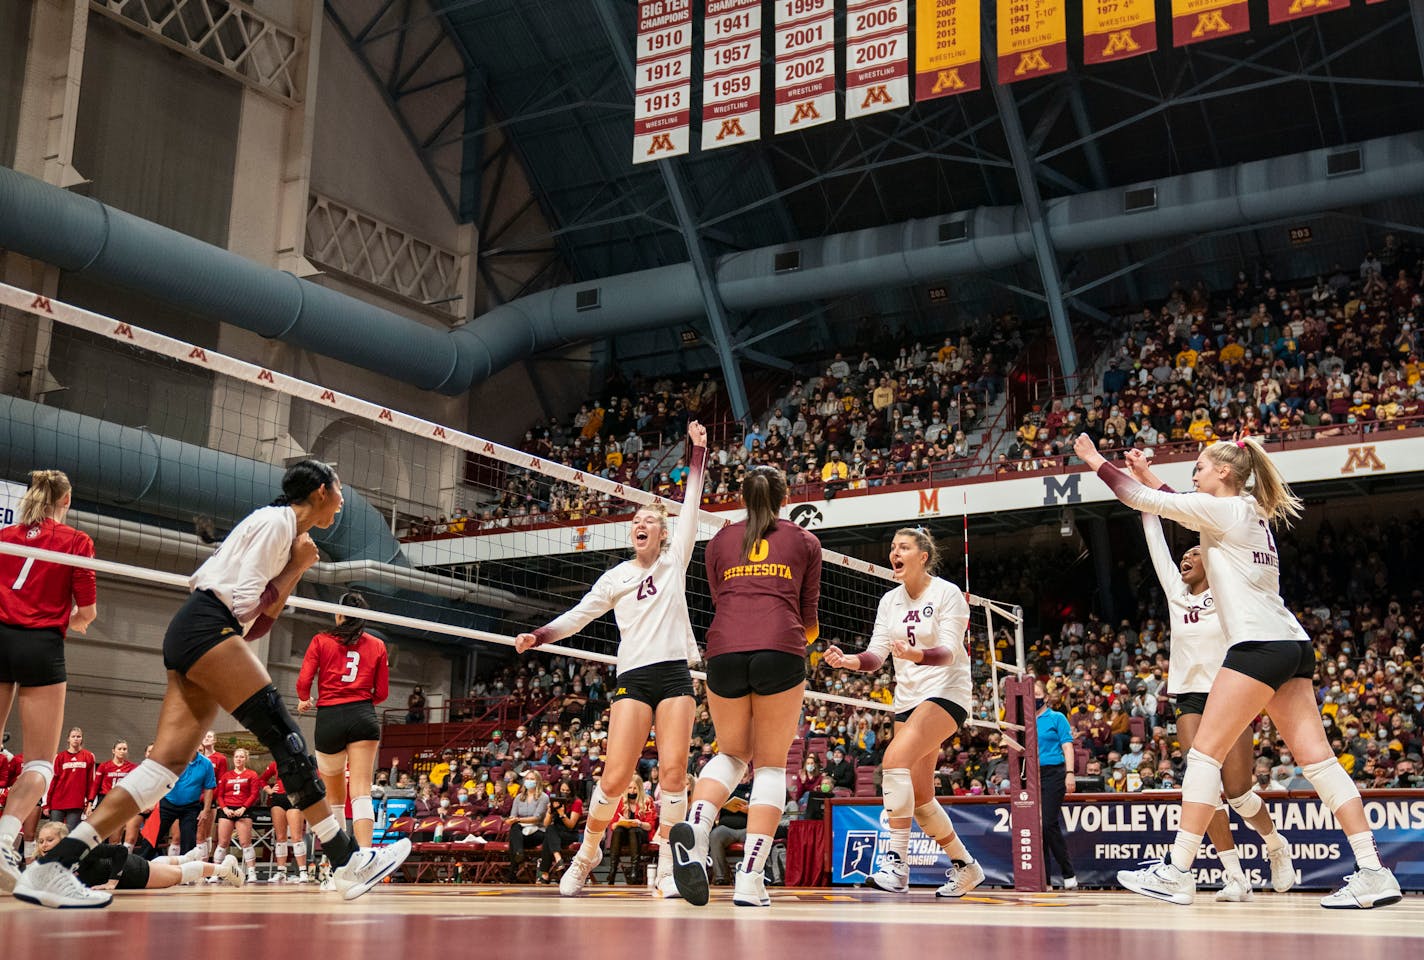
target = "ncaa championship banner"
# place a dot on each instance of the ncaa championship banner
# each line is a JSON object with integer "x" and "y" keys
{"x": 731, "y": 73}
{"x": 1106, "y": 834}
{"x": 877, "y": 56}
{"x": 1283, "y": 11}
{"x": 947, "y": 48}
{"x": 805, "y": 64}
{"x": 1196, "y": 20}
{"x": 662, "y": 95}
{"x": 1118, "y": 29}
{"x": 1033, "y": 39}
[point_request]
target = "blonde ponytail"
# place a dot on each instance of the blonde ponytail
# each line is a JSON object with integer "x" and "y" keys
{"x": 42, "y": 499}
{"x": 1255, "y": 473}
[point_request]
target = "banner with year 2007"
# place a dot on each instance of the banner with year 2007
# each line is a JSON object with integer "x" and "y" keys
{"x": 731, "y": 73}
{"x": 662, "y": 105}
{"x": 805, "y": 63}
{"x": 877, "y": 56}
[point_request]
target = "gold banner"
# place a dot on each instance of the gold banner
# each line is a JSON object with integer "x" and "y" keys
{"x": 1033, "y": 39}
{"x": 948, "y": 48}
{"x": 1118, "y": 29}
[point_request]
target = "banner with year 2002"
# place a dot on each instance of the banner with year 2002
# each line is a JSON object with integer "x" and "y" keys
{"x": 877, "y": 56}
{"x": 662, "y": 104}
{"x": 731, "y": 73}
{"x": 805, "y": 63}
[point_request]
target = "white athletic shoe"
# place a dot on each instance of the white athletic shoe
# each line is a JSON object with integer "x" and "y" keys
{"x": 893, "y": 875}
{"x": 1236, "y": 890}
{"x": 328, "y": 885}
{"x": 666, "y": 889}
{"x": 689, "y": 863}
{"x": 197, "y": 853}
{"x": 749, "y": 890}
{"x": 1282, "y": 869}
{"x": 55, "y": 885}
{"x": 251, "y": 875}
{"x": 366, "y": 868}
{"x": 1070, "y": 883}
{"x": 963, "y": 877}
{"x": 11, "y": 866}
{"x": 277, "y": 876}
{"x": 571, "y": 883}
{"x": 230, "y": 872}
{"x": 1161, "y": 880}
{"x": 1363, "y": 889}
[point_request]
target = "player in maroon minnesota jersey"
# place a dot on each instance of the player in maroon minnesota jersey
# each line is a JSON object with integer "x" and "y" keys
{"x": 39, "y": 602}
{"x": 239, "y": 790}
{"x": 352, "y": 675}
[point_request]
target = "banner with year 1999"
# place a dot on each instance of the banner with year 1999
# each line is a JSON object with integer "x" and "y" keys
{"x": 1105, "y": 835}
{"x": 805, "y": 64}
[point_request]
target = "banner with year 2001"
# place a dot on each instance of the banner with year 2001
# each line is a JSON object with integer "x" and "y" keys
{"x": 731, "y": 73}
{"x": 877, "y": 56}
{"x": 805, "y": 63}
{"x": 662, "y": 104}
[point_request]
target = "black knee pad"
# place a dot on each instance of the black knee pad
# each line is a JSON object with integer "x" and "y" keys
{"x": 271, "y": 723}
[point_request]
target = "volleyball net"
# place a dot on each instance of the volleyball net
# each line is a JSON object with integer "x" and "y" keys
{"x": 450, "y": 536}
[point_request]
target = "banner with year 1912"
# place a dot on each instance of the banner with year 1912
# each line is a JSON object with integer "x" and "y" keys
{"x": 947, "y": 48}
{"x": 731, "y": 73}
{"x": 1282, "y": 11}
{"x": 1033, "y": 39}
{"x": 877, "y": 56}
{"x": 662, "y": 107}
{"x": 805, "y": 63}
{"x": 1196, "y": 20}
{"x": 1118, "y": 29}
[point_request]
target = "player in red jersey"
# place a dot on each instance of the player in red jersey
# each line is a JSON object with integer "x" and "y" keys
{"x": 210, "y": 750}
{"x": 288, "y": 826}
{"x": 352, "y": 676}
{"x": 239, "y": 790}
{"x": 75, "y": 777}
{"x": 111, "y": 772}
{"x": 39, "y": 602}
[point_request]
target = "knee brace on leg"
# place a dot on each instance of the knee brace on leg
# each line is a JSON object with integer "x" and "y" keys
{"x": 768, "y": 787}
{"x": 147, "y": 783}
{"x": 1202, "y": 781}
{"x": 933, "y": 821}
{"x": 362, "y": 808}
{"x": 1248, "y": 804}
{"x": 271, "y": 723}
{"x": 1332, "y": 784}
{"x": 899, "y": 792}
{"x": 726, "y": 770}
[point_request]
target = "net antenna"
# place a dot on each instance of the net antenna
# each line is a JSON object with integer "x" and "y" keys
{"x": 1012, "y": 616}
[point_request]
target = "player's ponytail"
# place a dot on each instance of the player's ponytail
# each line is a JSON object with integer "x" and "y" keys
{"x": 349, "y": 630}
{"x": 302, "y": 479}
{"x": 42, "y": 499}
{"x": 763, "y": 490}
{"x": 1254, "y": 472}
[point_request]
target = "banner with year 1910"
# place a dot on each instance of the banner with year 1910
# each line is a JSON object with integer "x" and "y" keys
{"x": 731, "y": 73}
{"x": 877, "y": 56}
{"x": 805, "y": 63}
{"x": 662, "y": 89}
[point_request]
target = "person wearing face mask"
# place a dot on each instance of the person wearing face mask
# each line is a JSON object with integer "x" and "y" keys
{"x": 528, "y": 817}
{"x": 653, "y": 689}
{"x": 634, "y": 820}
{"x": 1055, "y": 777}
{"x": 842, "y": 771}
{"x": 1197, "y": 649}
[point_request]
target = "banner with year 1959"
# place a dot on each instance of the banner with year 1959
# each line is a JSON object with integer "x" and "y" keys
{"x": 731, "y": 73}
{"x": 805, "y": 64}
{"x": 877, "y": 56}
{"x": 662, "y": 88}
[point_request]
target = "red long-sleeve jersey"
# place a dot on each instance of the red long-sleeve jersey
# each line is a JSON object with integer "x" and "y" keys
{"x": 9, "y": 772}
{"x": 110, "y": 773}
{"x": 345, "y": 674}
{"x": 269, "y": 778}
{"x": 219, "y": 762}
{"x": 36, "y": 593}
{"x": 238, "y": 788}
{"x": 74, "y": 777}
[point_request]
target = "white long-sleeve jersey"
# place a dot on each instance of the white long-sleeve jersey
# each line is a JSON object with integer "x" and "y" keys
{"x": 1198, "y": 643}
{"x": 936, "y": 620}
{"x": 240, "y": 570}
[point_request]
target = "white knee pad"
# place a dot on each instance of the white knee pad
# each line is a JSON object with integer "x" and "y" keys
{"x": 672, "y": 807}
{"x": 192, "y": 871}
{"x": 280, "y": 851}
{"x": 599, "y": 806}
{"x": 726, "y": 770}
{"x": 331, "y": 764}
{"x": 768, "y": 787}
{"x": 1202, "y": 781}
{"x": 362, "y": 808}
{"x": 1332, "y": 784}
{"x": 1248, "y": 804}
{"x": 899, "y": 792}
{"x": 933, "y": 821}
{"x": 44, "y": 768}
{"x": 148, "y": 783}
{"x": 249, "y": 854}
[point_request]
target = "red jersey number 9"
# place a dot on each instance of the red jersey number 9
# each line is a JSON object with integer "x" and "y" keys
{"x": 353, "y": 664}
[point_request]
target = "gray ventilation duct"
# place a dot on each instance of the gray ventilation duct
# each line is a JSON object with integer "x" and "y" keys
{"x": 131, "y": 468}
{"x": 84, "y": 236}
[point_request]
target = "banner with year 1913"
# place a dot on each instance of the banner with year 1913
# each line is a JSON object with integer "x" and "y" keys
{"x": 731, "y": 73}
{"x": 877, "y": 56}
{"x": 805, "y": 63}
{"x": 662, "y": 89}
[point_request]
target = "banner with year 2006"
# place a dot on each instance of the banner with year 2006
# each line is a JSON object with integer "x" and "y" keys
{"x": 662, "y": 105}
{"x": 877, "y": 56}
{"x": 731, "y": 73}
{"x": 805, "y": 63}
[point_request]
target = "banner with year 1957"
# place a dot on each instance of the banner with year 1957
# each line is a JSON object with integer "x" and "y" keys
{"x": 731, "y": 73}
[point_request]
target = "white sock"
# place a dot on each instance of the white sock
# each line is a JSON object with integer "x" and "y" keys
{"x": 128, "y": 846}
{"x": 10, "y": 827}
{"x": 327, "y": 829}
{"x": 86, "y": 835}
{"x": 192, "y": 871}
{"x": 1184, "y": 850}
{"x": 30, "y": 848}
{"x": 954, "y": 848}
{"x": 757, "y": 847}
{"x": 1274, "y": 841}
{"x": 664, "y": 857}
{"x": 1366, "y": 853}
{"x": 1231, "y": 863}
{"x": 900, "y": 842}
{"x": 703, "y": 816}
{"x": 176, "y": 851}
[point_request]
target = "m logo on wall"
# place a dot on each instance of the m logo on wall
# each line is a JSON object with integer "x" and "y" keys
{"x": 1363, "y": 459}
{"x": 1058, "y": 490}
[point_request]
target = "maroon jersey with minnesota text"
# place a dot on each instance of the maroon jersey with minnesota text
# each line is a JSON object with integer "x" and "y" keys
{"x": 345, "y": 674}
{"x": 36, "y": 593}
{"x": 765, "y": 601}
{"x": 238, "y": 788}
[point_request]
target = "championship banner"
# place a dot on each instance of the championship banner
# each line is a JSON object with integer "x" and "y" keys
{"x": 1109, "y": 833}
{"x": 1118, "y": 29}
{"x": 662, "y": 90}
{"x": 947, "y": 48}
{"x": 1283, "y": 11}
{"x": 877, "y": 56}
{"x": 1196, "y": 20}
{"x": 1033, "y": 39}
{"x": 731, "y": 73}
{"x": 805, "y": 63}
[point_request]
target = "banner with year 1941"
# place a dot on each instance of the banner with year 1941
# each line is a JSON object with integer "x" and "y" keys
{"x": 1118, "y": 29}
{"x": 731, "y": 73}
{"x": 805, "y": 63}
{"x": 662, "y": 89}
{"x": 1282, "y": 11}
{"x": 1196, "y": 20}
{"x": 947, "y": 48}
{"x": 1033, "y": 39}
{"x": 877, "y": 56}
